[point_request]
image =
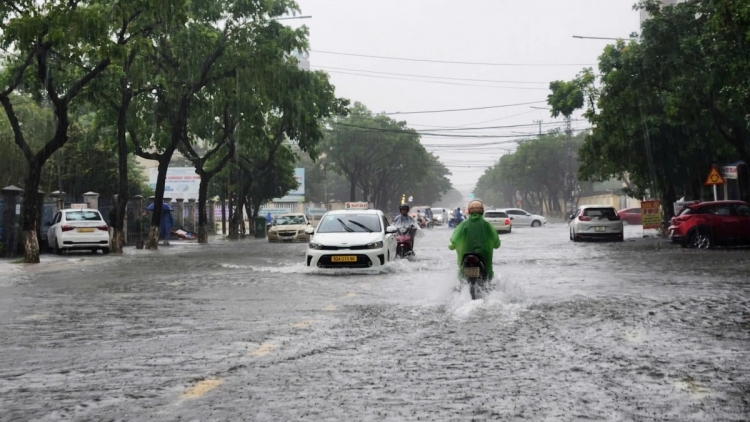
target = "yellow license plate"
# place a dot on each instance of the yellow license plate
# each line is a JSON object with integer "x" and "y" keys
{"x": 85, "y": 230}
{"x": 343, "y": 259}
{"x": 471, "y": 272}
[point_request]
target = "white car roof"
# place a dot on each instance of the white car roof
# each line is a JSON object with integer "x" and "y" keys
{"x": 342, "y": 212}
{"x": 595, "y": 206}
{"x": 79, "y": 209}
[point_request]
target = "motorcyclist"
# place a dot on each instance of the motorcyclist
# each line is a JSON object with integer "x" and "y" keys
{"x": 475, "y": 235}
{"x": 404, "y": 219}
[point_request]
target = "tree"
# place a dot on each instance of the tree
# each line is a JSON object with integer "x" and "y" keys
{"x": 58, "y": 48}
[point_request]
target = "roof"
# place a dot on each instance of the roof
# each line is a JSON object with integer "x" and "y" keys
{"x": 596, "y": 206}
{"x": 339, "y": 212}
{"x": 707, "y": 203}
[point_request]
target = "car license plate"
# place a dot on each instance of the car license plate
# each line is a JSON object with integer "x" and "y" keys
{"x": 600, "y": 229}
{"x": 85, "y": 230}
{"x": 471, "y": 272}
{"x": 343, "y": 259}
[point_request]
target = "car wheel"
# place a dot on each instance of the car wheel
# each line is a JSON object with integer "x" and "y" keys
{"x": 58, "y": 251}
{"x": 510, "y": 230}
{"x": 536, "y": 223}
{"x": 701, "y": 239}
{"x": 573, "y": 236}
{"x": 105, "y": 251}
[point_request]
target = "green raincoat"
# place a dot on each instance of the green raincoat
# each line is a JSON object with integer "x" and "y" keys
{"x": 476, "y": 235}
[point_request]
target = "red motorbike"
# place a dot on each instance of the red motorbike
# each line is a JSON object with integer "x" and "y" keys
{"x": 405, "y": 242}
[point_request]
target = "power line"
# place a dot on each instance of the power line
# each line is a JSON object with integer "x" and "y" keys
{"x": 428, "y": 76}
{"x": 476, "y": 123}
{"x": 463, "y": 109}
{"x": 449, "y": 61}
{"x": 435, "y": 82}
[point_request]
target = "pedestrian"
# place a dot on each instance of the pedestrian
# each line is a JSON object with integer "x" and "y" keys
{"x": 167, "y": 221}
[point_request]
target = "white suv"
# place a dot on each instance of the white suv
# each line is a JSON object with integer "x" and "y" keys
{"x": 595, "y": 222}
{"x": 499, "y": 220}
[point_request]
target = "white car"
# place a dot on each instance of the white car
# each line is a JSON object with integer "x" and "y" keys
{"x": 499, "y": 221}
{"x": 351, "y": 239}
{"x": 520, "y": 217}
{"x": 440, "y": 216}
{"x": 595, "y": 222}
{"x": 78, "y": 229}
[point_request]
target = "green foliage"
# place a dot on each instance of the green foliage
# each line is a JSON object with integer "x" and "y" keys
{"x": 536, "y": 171}
{"x": 383, "y": 159}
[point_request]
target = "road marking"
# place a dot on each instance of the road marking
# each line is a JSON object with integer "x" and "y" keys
{"x": 303, "y": 324}
{"x": 330, "y": 308}
{"x": 695, "y": 390}
{"x": 200, "y": 389}
{"x": 264, "y": 349}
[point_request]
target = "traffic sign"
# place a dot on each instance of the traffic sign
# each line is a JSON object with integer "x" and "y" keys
{"x": 714, "y": 177}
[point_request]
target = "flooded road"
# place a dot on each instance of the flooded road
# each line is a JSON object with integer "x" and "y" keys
{"x": 639, "y": 330}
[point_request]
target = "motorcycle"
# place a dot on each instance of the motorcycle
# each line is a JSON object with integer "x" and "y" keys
{"x": 405, "y": 242}
{"x": 472, "y": 269}
{"x": 453, "y": 222}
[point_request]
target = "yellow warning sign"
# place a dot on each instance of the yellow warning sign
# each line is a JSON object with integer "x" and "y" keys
{"x": 714, "y": 177}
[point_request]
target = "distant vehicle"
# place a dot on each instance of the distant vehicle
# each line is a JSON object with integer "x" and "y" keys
{"x": 78, "y": 229}
{"x": 630, "y": 216}
{"x": 289, "y": 228}
{"x": 708, "y": 224}
{"x": 596, "y": 222}
{"x": 441, "y": 216}
{"x": 351, "y": 239}
{"x": 499, "y": 220}
{"x": 520, "y": 217}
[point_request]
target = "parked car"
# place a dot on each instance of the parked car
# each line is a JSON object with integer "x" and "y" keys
{"x": 630, "y": 216}
{"x": 289, "y": 228}
{"x": 707, "y": 224}
{"x": 499, "y": 220}
{"x": 520, "y": 217}
{"x": 596, "y": 222}
{"x": 77, "y": 228}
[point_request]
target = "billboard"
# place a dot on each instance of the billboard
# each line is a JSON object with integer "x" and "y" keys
{"x": 182, "y": 182}
{"x": 297, "y": 195}
{"x": 651, "y": 214}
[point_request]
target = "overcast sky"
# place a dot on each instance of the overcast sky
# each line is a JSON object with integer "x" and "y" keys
{"x": 538, "y": 33}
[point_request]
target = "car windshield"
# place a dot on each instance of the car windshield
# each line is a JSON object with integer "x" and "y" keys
{"x": 495, "y": 214}
{"x": 289, "y": 220}
{"x": 83, "y": 216}
{"x": 599, "y": 212}
{"x": 343, "y": 223}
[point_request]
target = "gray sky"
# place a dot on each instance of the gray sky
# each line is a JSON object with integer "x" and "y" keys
{"x": 489, "y": 31}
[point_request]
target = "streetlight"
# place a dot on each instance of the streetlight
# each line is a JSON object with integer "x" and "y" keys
{"x": 602, "y": 38}
{"x": 293, "y": 17}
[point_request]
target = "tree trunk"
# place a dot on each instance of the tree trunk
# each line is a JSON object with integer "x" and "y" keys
{"x": 202, "y": 220}
{"x": 352, "y": 188}
{"x": 30, "y": 215}
{"x": 118, "y": 224}
{"x": 161, "y": 179}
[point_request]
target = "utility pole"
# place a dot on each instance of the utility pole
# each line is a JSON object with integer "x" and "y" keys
{"x": 569, "y": 179}
{"x": 540, "y": 127}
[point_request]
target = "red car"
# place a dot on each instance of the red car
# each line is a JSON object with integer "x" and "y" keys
{"x": 630, "y": 216}
{"x": 707, "y": 224}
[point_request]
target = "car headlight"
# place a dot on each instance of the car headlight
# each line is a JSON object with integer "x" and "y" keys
{"x": 314, "y": 245}
{"x": 375, "y": 245}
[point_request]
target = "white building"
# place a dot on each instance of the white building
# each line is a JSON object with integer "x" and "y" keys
{"x": 644, "y": 14}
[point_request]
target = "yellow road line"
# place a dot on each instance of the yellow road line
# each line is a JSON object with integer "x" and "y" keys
{"x": 200, "y": 389}
{"x": 264, "y": 349}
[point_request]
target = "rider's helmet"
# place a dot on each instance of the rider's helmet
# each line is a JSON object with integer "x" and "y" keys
{"x": 403, "y": 207}
{"x": 476, "y": 207}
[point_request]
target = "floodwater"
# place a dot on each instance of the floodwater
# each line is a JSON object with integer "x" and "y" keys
{"x": 633, "y": 331}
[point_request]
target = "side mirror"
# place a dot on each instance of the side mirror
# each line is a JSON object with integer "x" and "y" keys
{"x": 309, "y": 230}
{"x": 571, "y": 216}
{"x": 390, "y": 229}
{"x": 511, "y": 218}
